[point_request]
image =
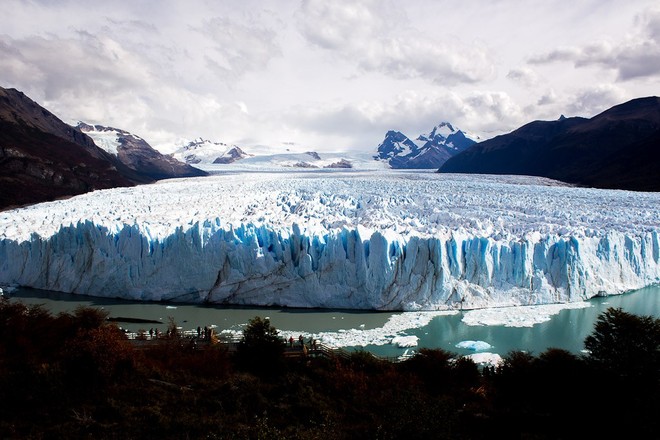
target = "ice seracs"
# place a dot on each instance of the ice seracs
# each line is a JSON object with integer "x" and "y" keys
{"x": 364, "y": 240}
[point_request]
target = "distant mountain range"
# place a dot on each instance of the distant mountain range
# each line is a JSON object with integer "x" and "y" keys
{"x": 42, "y": 158}
{"x": 427, "y": 150}
{"x": 201, "y": 152}
{"x": 618, "y": 148}
{"x": 204, "y": 151}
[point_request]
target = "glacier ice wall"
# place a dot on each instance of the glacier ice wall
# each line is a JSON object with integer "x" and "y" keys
{"x": 366, "y": 240}
{"x": 348, "y": 268}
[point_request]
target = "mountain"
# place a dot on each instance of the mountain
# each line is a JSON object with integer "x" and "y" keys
{"x": 137, "y": 154}
{"x": 42, "y": 158}
{"x": 268, "y": 161}
{"x": 427, "y": 151}
{"x": 231, "y": 156}
{"x": 217, "y": 156}
{"x": 306, "y": 160}
{"x": 207, "y": 152}
{"x": 618, "y": 149}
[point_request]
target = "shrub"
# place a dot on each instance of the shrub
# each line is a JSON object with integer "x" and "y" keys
{"x": 98, "y": 355}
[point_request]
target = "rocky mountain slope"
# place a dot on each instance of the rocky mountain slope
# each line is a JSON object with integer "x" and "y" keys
{"x": 42, "y": 158}
{"x": 618, "y": 148}
{"x": 137, "y": 154}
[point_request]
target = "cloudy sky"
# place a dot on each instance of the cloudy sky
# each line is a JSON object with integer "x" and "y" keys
{"x": 326, "y": 75}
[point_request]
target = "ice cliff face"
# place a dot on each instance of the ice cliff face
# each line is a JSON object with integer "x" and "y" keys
{"x": 389, "y": 241}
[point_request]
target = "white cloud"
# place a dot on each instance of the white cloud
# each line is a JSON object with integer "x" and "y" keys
{"x": 485, "y": 113}
{"x": 593, "y": 100}
{"x": 338, "y": 25}
{"x": 550, "y": 97}
{"x": 327, "y": 75}
{"x": 524, "y": 76}
{"x": 637, "y": 56}
{"x": 238, "y": 48}
{"x": 57, "y": 65}
{"x": 96, "y": 79}
{"x": 378, "y": 38}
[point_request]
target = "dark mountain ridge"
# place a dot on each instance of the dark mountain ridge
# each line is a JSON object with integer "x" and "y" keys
{"x": 42, "y": 158}
{"x": 139, "y": 156}
{"x": 615, "y": 149}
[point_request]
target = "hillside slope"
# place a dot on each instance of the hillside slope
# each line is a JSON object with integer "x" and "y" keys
{"x": 617, "y": 149}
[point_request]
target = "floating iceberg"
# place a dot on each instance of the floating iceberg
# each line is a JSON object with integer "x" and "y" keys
{"x": 361, "y": 240}
{"x": 474, "y": 345}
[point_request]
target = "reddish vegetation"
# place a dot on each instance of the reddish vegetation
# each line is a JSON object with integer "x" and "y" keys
{"x": 77, "y": 376}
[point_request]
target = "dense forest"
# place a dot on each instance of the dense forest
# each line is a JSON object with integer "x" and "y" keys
{"x": 76, "y": 375}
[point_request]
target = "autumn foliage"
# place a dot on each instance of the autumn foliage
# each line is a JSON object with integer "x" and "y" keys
{"x": 75, "y": 375}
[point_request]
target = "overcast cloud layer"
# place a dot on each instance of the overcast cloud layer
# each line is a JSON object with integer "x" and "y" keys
{"x": 326, "y": 75}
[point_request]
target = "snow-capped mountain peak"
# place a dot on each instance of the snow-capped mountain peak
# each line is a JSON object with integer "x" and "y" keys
{"x": 442, "y": 130}
{"x": 202, "y": 150}
{"x": 394, "y": 145}
{"x": 427, "y": 150}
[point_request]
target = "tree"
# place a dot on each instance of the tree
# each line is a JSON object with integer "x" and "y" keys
{"x": 626, "y": 344}
{"x": 624, "y": 352}
{"x": 432, "y": 367}
{"x": 261, "y": 350}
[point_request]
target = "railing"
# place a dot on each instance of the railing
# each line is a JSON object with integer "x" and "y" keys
{"x": 326, "y": 350}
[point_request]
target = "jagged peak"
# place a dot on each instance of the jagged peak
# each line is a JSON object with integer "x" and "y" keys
{"x": 201, "y": 141}
{"x": 445, "y": 124}
{"x": 89, "y": 128}
{"x": 442, "y": 130}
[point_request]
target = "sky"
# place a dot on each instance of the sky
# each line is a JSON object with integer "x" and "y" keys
{"x": 326, "y": 75}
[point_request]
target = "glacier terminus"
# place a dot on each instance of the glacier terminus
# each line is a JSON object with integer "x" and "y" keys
{"x": 378, "y": 240}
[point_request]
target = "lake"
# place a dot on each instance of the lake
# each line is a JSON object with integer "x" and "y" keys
{"x": 532, "y": 329}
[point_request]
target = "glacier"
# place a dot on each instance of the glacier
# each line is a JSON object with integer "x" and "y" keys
{"x": 377, "y": 240}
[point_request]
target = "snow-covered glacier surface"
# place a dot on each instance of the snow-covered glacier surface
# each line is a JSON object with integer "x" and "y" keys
{"x": 368, "y": 240}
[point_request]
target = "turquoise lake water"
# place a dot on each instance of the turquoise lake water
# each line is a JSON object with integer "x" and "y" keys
{"x": 566, "y": 329}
